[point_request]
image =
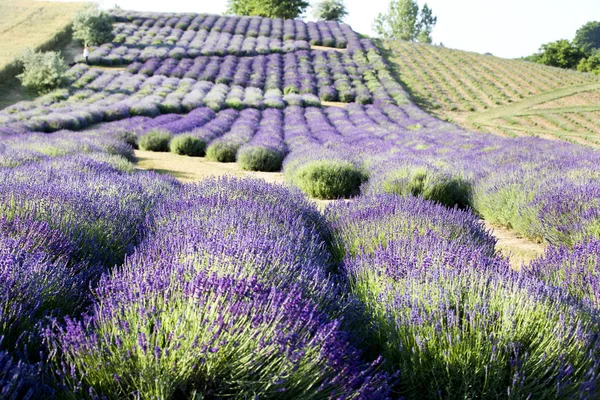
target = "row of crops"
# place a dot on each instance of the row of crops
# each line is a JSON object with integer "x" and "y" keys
{"x": 454, "y": 80}
{"x": 119, "y": 283}
{"x": 235, "y": 287}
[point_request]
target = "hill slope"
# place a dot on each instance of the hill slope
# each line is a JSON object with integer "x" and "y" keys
{"x": 497, "y": 95}
{"x": 29, "y": 24}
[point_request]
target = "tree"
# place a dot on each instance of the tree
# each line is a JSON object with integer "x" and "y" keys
{"x": 42, "y": 72}
{"x": 425, "y": 25}
{"x": 588, "y": 36}
{"x": 330, "y": 10}
{"x": 590, "y": 64}
{"x": 286, "y": 9}
{"x": 404, "y": 21}
{"x": 562, "y": 54}
{"x": 92, "y": 26}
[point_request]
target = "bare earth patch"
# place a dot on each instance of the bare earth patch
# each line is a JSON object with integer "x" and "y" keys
{"x": 517, "y": 248}
{"x": 108, "y": 68}
{"x": 325, "y": 48}
{"x": 193, "y": 169}
{"x": 333, "y": 104}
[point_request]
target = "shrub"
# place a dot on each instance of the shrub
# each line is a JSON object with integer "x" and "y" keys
{"x": 92, "y": 26}
{"x": 425, "y": 182}
{"x": 256, "y": 158}
{"x": 330, "y": 10}
{"x": 42, "y": 72}
{"x": 328, "y": 179}
{"x": 188, "y": 145}
{"x": 221, "y": 152}
{"x": 155, "y": 140}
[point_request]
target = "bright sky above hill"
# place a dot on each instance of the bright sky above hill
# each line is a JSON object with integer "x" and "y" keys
{"x": 508, "y": 28}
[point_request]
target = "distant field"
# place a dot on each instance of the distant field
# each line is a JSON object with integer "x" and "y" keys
{"x": 510, "y": 97}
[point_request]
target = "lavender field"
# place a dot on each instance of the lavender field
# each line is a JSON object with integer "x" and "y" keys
{"x": 125, "y": 284}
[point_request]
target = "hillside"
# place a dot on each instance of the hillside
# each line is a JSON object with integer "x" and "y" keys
{"x": 29, "y": 24}
{"x": 510, "y": 97}
{"x": 118, "y": 282}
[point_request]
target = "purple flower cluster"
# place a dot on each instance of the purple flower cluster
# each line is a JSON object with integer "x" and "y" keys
{"x": 266, "y": 150}
{"x": 144, "y": 29}
{"x": 227, "y": 296}
{"x": 434, "y": 291}
{"x": 573, "y": 269}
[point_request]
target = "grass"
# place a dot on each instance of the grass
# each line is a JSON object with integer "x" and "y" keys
{"x": 31, "y": 24}
{"x": 488, "y": 93}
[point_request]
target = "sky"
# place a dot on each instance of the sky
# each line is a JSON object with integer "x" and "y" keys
{"x": 507, "y": 28}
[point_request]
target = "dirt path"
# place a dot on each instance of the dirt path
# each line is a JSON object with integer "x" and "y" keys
{"x": 517, "y": 248}
{"x": 108, "y": 68}
{"x": 325, "y": 48}
{"x": 192, "y": 169}
{"x": 333, "y": 104}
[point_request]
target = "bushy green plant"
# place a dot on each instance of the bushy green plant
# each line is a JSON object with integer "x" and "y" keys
{"x": 328, "y": 179}
{"x": 42, "y": 71}
{"x": 257, "y": 158}
{"x": 221, "y": 152}
{"x": 155, "y": 140}
{"x": 429, "y": 184}
{"x": 330, "y": 10}
{"x": 188, "y": 145}
{"x": 92, "y": 26}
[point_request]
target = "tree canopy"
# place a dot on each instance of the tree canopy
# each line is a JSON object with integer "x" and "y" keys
{"x": 562, "y": 54}
{"x": 588, "y": 36}
{"x": 286, "y": 9}
{"x": 42, "y": 72}
{"x": 590, "y": 64}
{"x": 92, "y": 26}
{"x": 330, "y": 10}
{"x": 404, "y": 21}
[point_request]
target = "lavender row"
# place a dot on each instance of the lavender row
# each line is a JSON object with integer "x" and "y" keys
{"x": 436, "y": 295}
{"x": 545, "y": 190}
{"x": 154, "y": 96}
{"x": 145, "y": 28}
{"x": 230, "y": 284}
{"x": 216, "y": 45}
{"x": 335, "y": 77}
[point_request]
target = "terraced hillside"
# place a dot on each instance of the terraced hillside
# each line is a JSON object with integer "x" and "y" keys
{"x": 510, "y": 97}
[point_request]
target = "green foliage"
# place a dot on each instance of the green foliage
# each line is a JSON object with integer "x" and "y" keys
{"x": 42, "y": 72}
{"x": 590, "y": 64}
{"x": 404, "y": 21}
{"x": 431, "y": 185}
{"x": 588, "y": 36}
{"x": 328, "y": 179}
{"x": 221, "y": 152}
{"x": 92, "y": 26}
{"x": 427, "y": 22}
{"x": 188, "y": 145}
{"x": 258, "y": 158}
{"x": 155, "y": 140}
{"x": 286, "y": 9}
{"x": 330, "y": 10}
{"x": 562, "y": 54}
